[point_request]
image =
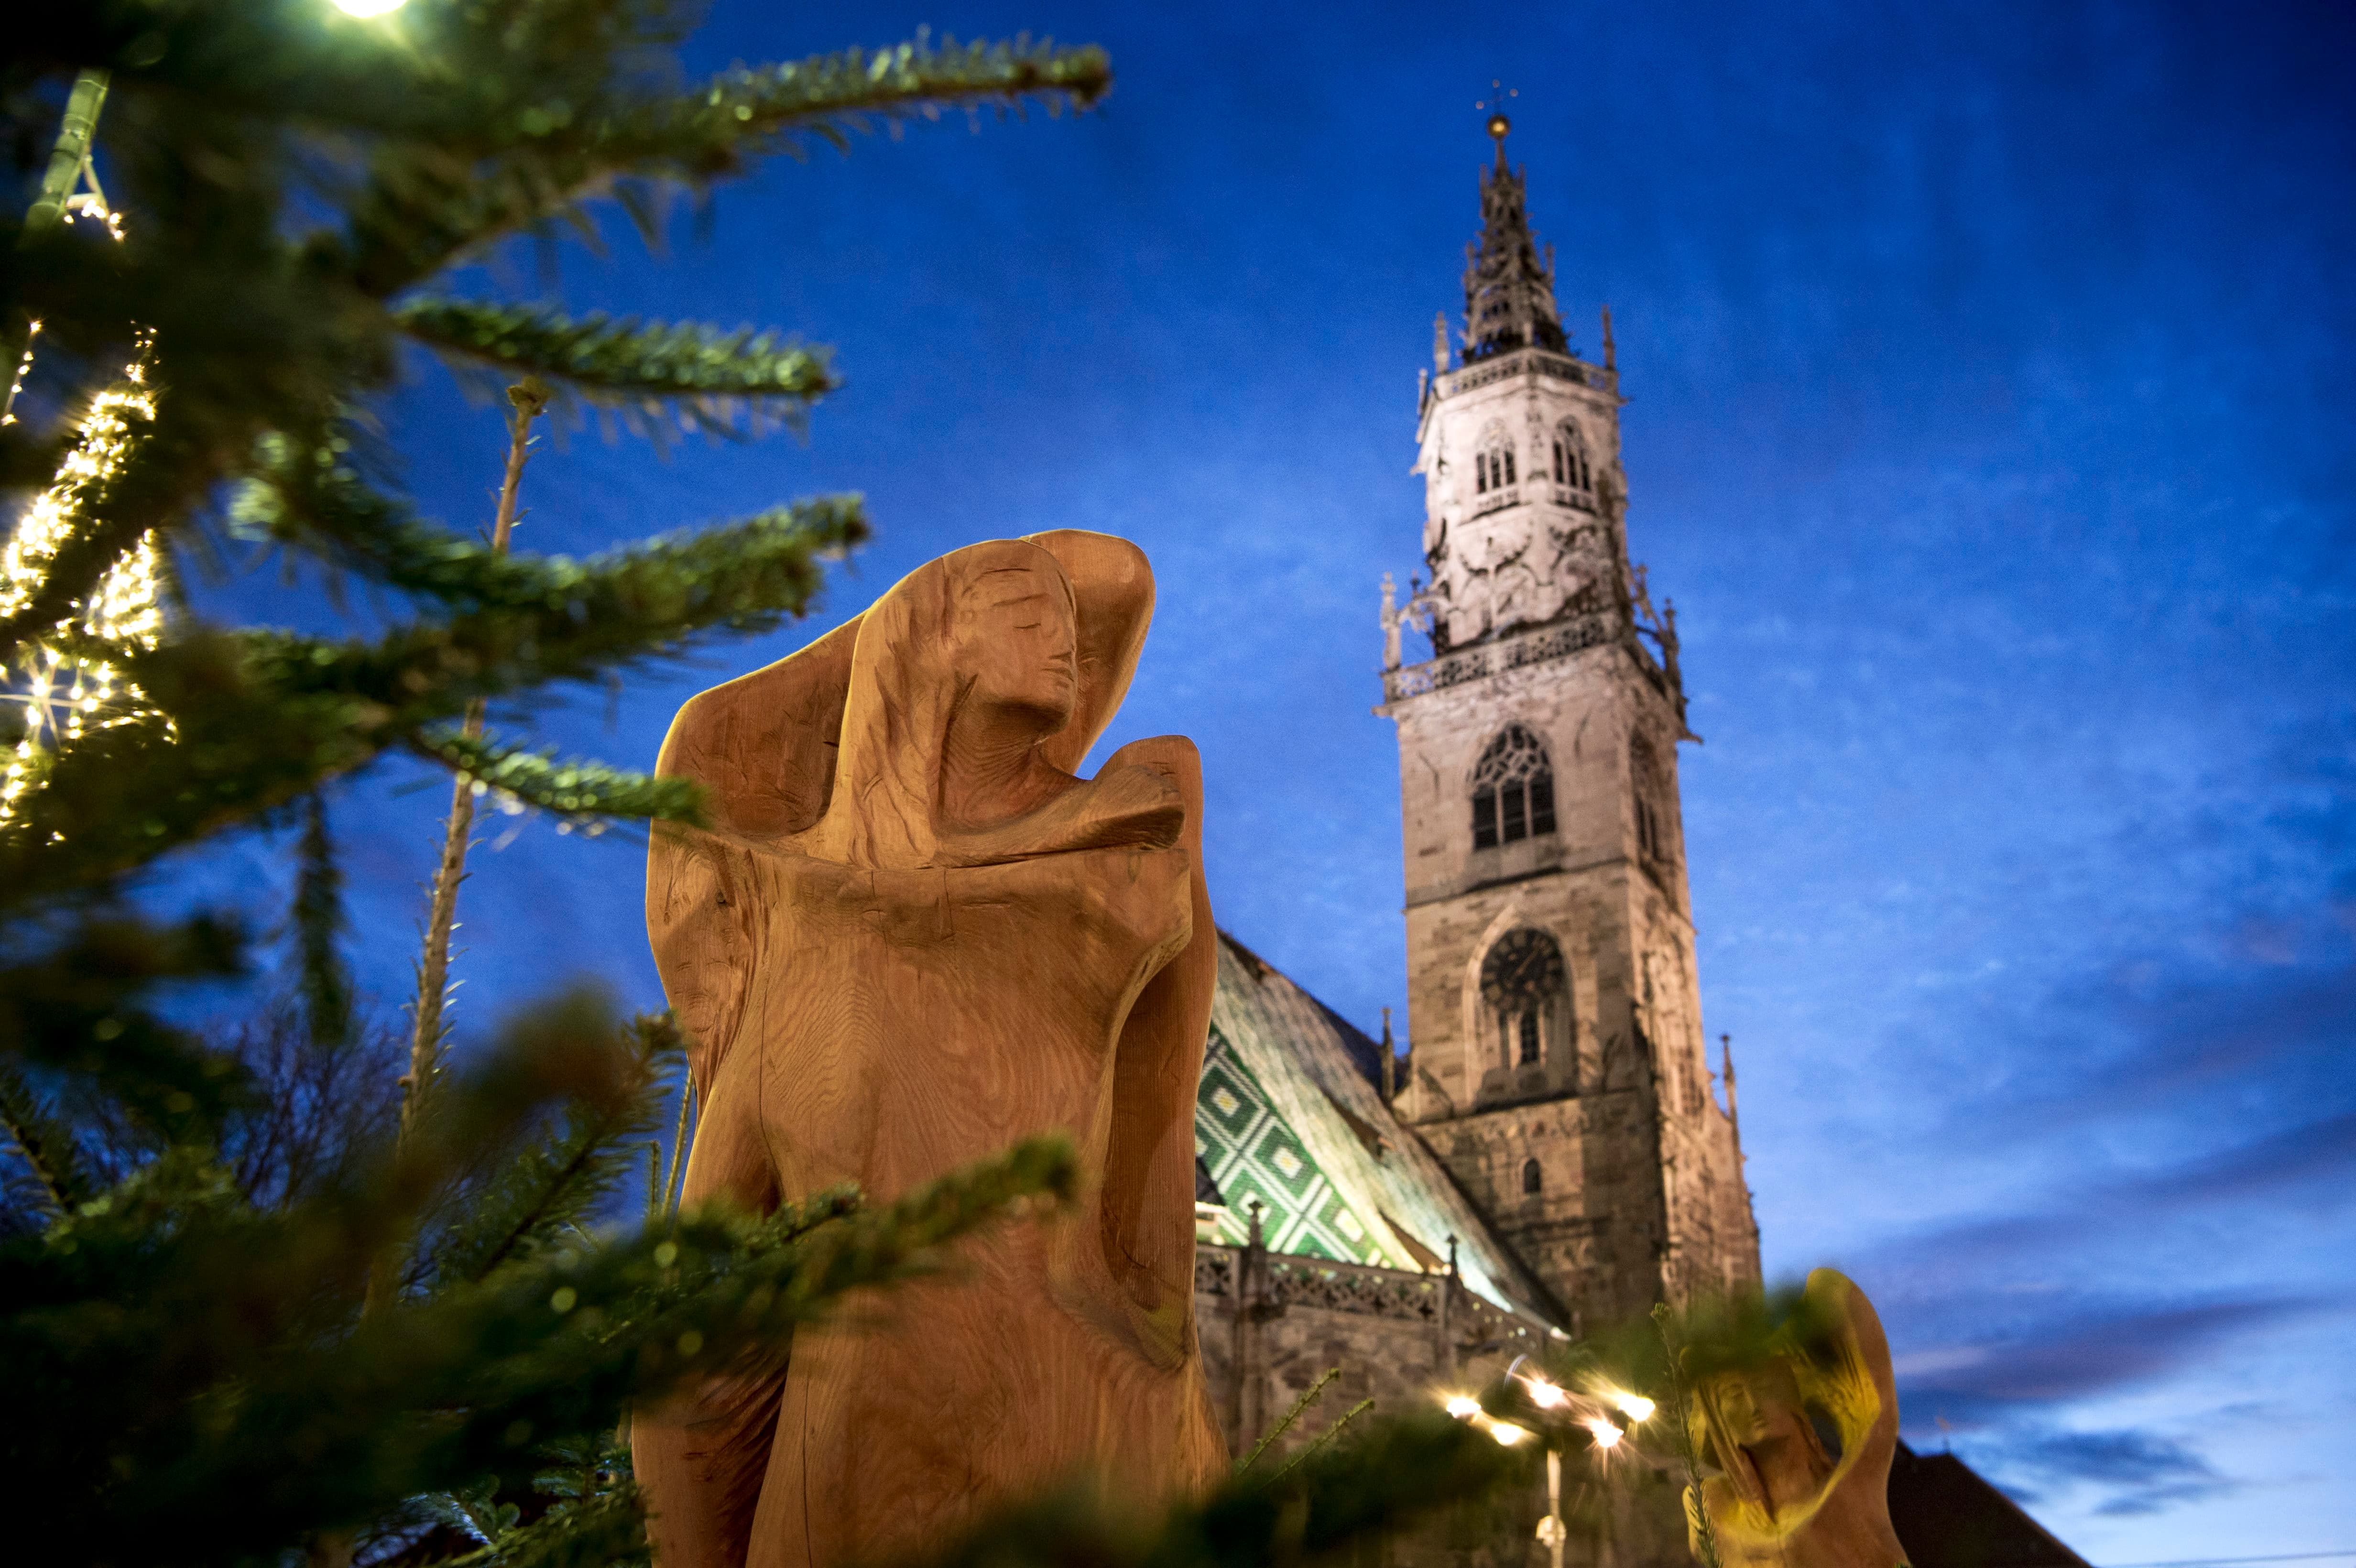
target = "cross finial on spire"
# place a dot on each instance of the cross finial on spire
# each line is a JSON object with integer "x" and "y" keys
{"x": 1495, "y": 104}
{"x": 1509, "y": 283}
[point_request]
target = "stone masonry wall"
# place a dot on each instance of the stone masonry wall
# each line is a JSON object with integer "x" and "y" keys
{"x": 1272, "y": 1325}
{"x": 1638, "y": 1171}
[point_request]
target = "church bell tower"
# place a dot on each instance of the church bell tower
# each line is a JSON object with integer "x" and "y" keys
{"x": 1556, "y": 1065}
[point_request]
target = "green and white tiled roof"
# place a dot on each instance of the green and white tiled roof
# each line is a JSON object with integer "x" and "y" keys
{"x": 1288, "y": 1117}
{"x": 1254, "y": 1156}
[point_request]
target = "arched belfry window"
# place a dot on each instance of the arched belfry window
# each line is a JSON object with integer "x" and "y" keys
{"x": 1571, "y": 468}
{"x": 1533, "y": 1177}
{"x": 1522, "y": 989}
{"x": 1513, "y": 790}
{"x": 1493, "y": 466}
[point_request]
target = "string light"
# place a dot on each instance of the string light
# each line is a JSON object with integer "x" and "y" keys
{"x": 68, "y": 686}
{"x": 23, "y": 367}
{"x": 91, "y": 205}
{"x": 76, "y": 689}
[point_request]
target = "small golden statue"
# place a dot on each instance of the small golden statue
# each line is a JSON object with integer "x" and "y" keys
{"x": 1802, "y": 1441}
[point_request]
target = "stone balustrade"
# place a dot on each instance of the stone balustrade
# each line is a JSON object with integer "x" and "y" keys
{"x": 1272, "y": 1284}
{"x": 1540, "y": 645}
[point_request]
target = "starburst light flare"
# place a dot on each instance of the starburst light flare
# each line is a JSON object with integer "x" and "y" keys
{"x": 1635, "y": 1406}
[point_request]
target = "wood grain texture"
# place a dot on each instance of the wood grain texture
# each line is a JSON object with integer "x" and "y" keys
{"x": 911, "y": 938}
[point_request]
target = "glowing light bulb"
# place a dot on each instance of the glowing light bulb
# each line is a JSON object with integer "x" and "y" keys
{"x": 1635, "y": 1406}
{"x": 66, "y": 698}
{"x": 1545, "y": 1395}
{"x": 1462, "y": 1408}
{"x": 368, "y": 7}
{"x": 1506, "y": 1433}
{"x": 1606, "y": 1435}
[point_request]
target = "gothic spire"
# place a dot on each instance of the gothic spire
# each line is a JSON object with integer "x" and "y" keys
{"x": 1508, "y": 288}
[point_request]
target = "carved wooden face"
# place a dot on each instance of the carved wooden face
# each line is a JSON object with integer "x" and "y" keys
{"x": 1757, "y": 1406}
{"x": 1018, "y": 643}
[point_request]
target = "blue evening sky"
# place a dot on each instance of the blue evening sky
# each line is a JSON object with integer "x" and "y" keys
{"x": 1989, "y": 423}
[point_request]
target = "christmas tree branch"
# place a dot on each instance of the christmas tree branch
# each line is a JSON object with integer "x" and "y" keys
{"x": 311, "y": 497}
{"x": 578, "y": 788}
{"x": 1309, "y": 1396}
{"x": 606, "y": 1530}
{"x": 195, "y": 1340}
{"x": 421, "y": 212}
{"x": 1326, "y": 1439}
{"x": 559, "y": 1180}
{"x": 762, "y": 108}
{"x": 527, "y": 401}
{"x": 467, "y": 1383}
{"x": 44, "y": 1144}
{"x": 700, "y": 375}
{"x": 76, "y": 1005}
{"x": 258, "y": 718}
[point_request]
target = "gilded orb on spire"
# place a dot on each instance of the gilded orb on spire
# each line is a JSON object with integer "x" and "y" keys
{"x": 1498, "y": 124}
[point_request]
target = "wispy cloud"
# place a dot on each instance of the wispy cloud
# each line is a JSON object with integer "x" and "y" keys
{"x": 2075, "y": 1352}
{"x": 2137, "y": 1472}
{"x": 2311, "y": 1156}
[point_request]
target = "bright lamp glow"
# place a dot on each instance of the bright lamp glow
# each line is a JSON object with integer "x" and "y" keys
{"x": 1635, "y": 1406}
{"x": 1506, "y": 1433}
{"x": 1606, "y": 1435}
{"x": 1545, "y": 1395}
{"x": 1462, "y": 1408}
{"x": 368, "y": 7}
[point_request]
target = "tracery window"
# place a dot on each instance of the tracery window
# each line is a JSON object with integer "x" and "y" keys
{"x": 1522, "y": 988}
{"x": 1533, "y": 1179}
{"x": 1570, "y": 465}
{"x": 1513, "y": 790}
{"x": 1521, "y": 1037}
{"x": 1493, "y": 466}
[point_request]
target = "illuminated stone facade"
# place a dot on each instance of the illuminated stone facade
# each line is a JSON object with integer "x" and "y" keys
{"x": 1553, "y": 1158}
{"x": 1559, "y": 1066}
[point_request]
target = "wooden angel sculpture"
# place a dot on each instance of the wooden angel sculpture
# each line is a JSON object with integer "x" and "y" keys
{"x": 911, "y": 938}
{"x": 1802, "y": 1445}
